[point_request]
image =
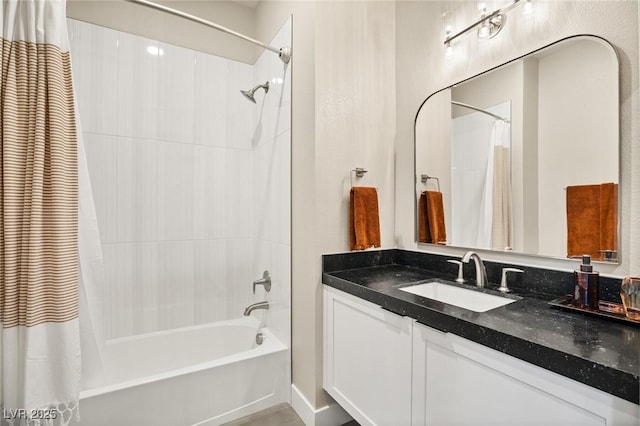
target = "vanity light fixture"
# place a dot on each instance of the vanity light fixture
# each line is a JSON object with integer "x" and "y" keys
{"x": 491, "y": 26}
{"x": 490, "y": 23}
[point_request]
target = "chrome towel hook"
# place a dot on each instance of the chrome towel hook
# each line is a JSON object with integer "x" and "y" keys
{"x": 359, "y": 172}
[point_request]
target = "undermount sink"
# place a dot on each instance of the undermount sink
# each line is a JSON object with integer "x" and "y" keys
{"x": 461, "y": 297}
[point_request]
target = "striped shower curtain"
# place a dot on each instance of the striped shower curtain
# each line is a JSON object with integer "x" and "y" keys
{"x": 39, "y": 337}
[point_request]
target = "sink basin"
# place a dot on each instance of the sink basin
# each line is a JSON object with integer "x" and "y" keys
{"x": 461, "y": 297}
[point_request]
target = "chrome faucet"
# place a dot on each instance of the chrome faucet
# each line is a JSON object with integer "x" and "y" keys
{"x": 481, "y": 272}
{"x": 259, "y": 305}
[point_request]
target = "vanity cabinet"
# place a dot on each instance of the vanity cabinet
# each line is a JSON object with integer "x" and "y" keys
{"x": 367, "y": 359}
{"x": 456, "y": 381}
{"x": 386, "y": 369}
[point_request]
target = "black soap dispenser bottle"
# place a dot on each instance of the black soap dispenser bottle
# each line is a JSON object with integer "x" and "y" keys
{"x": 586, "y": 294}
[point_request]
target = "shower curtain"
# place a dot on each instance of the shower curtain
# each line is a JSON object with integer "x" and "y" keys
{"x": 39, "y": 338}
{"x": 496, "y": 221}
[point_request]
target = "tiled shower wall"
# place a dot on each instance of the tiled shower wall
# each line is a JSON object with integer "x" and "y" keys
{"x": 171, "y": 148}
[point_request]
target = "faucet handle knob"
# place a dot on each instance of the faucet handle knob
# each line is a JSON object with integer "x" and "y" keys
{"x": 503, "y": 282}
{"x": 265, "y": 281}
{"x": 460, "y": 278}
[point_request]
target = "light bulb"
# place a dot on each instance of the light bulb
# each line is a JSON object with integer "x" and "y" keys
{"x": 483, "y": 31}
{"x": 155, "y": 51}
{"x": 527, "y": 8}
{"x": 448, "y": 52}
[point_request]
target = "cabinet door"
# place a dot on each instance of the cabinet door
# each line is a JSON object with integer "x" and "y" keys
{"x": 458, "y": 382}
{"x": 367, "y": 359}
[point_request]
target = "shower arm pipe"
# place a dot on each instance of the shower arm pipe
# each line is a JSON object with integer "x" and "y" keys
{"x": 479, "y": 110}
{"x": 284, "y": 53}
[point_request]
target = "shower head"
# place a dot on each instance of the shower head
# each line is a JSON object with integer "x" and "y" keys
{"x": 249, "y": 93}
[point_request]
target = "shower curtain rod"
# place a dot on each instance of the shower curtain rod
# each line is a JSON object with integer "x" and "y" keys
{"x": 479, "y": 110}
{"x": 284, "y": 53}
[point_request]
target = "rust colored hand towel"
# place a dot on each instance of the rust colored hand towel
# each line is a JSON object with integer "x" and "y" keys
{"x": 364, "y": 223}
{"x": 424, "y": 235}
{"x": 431, "y": 224}
{"x": 591, "y": 219}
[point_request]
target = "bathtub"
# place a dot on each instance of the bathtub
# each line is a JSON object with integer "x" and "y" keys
{"x": 202, "y": 375}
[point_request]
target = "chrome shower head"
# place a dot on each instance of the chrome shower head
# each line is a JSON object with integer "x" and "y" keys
{"x": 249, "y": 93}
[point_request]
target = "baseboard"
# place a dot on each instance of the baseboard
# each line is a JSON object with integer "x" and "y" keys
{"x": 329, "y": 415}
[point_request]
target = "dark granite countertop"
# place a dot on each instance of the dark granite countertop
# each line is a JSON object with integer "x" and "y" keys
{"x": 598, "y": 352}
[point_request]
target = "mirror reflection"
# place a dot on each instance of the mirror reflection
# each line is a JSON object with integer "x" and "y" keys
{"x": 524, "y": 157}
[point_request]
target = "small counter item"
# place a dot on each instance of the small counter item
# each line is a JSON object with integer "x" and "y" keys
{"x": 586, "y": 292}
{"x": 607, "y": 310}
{"x": 630, "y": 295}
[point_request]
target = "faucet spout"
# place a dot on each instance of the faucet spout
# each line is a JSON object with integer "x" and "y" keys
{"x": 259, "y": 305}
{"x": 481, "y": 272}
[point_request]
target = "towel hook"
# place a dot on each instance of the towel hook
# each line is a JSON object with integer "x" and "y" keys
{"x": 358, "y": 171}
{"x": 425, "y": 178}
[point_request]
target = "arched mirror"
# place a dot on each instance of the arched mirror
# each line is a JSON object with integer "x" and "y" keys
{"x": 524, "y": 157}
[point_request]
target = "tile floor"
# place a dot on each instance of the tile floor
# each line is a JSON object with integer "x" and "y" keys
{"x": 278, "y": 415}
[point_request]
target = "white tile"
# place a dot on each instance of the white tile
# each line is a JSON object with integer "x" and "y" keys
{"x": 101, "y": 151}
{"x": 137, "y": 190}
{"x": 209, "y": 187}
{"x": 145, "y": 287}
{"x": 281, "y": 179}
{"x": 282, "y": 109}
{"x": 261, "y": 111}
{"x": 138, "y": 87}
{"x": 175, "y": 284}
{"x": 260, "y": 193}
{"x": 176, "y": 71}
{"x": 272, "y": 190}
{"x": 240, "y": 277}
{"x": 275, "y": 258}
{"x": 118, "y": 289}
{"x": 175, "y": 191}
{"x": 238, "y": 198}
{"x": 210, "y": 99}
{"x": 94, "y": 57}
{"x": 210, "y": 281}
{"x": 239, "y": 109}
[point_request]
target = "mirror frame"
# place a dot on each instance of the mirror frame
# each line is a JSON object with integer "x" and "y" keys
{"x": 415, "y": 171}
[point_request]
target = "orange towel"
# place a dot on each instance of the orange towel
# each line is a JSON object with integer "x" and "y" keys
{"x": 364, "y": 223}
{"x": 431, "y": 225}
{"x": 591, "y": 219}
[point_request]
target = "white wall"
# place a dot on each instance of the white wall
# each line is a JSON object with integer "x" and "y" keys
{"x": 422, "y": 70}
{"x": 343, "y": 117}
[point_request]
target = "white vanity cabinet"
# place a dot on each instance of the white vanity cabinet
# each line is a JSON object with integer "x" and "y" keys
{"x": 367, "y": 359}
{"x": 386, "y": 369}
{"x": 459, "y": 382}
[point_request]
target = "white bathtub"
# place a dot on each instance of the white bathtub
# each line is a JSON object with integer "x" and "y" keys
{"x": 202, "y": 375}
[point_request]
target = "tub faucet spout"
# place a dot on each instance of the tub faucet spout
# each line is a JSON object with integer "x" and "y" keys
{"x": 259, "y": 305}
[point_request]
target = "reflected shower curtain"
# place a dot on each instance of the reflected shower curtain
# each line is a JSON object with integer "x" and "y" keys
{"x": 39, "y": 338}
{"x": 496, "y": 226}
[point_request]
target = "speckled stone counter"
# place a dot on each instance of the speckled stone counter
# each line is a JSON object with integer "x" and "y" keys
{"x": 600, "y": 353}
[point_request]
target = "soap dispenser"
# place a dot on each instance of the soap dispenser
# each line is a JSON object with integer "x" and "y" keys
{"x": 586, "y": 292}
